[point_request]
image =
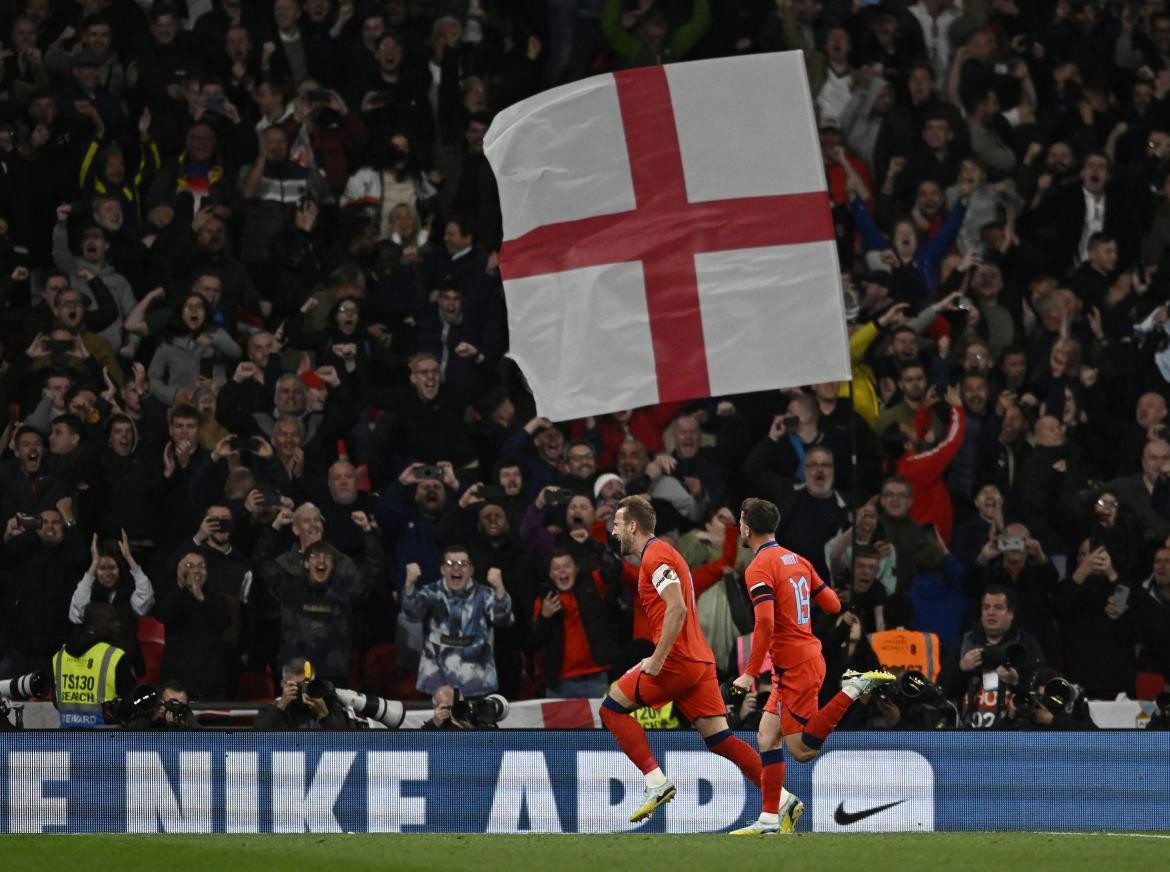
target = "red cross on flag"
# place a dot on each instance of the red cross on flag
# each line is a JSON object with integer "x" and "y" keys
{"x": 667, "y": 236}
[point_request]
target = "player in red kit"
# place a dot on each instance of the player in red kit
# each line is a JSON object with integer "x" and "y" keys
{"x": 682, "y": 667}
{"x": 783, "y": 586}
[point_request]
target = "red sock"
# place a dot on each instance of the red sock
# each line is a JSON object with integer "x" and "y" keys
{"x": 773, "y": 777}
{"x": 825, "y": 721}
{"x": 738, "y": 752}
{"x": 631, "y": 738}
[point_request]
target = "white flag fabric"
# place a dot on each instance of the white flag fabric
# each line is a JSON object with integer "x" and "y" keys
{"x": 667, "y": 236}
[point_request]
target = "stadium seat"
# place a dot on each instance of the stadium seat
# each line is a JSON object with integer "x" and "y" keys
{"x": 1149, "y": 685}
{"x": 257, "y": 686}
{"x": 152, "y": 637}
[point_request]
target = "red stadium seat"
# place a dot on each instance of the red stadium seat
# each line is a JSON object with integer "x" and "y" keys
{"x": 152, "y": 638}
{"x": 1149, "y": 685}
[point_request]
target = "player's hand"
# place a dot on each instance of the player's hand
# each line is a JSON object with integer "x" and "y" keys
{"x": 742, "y": 684}
{"x": 650, "y": 666}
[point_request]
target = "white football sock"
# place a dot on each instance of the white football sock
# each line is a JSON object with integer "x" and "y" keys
{"x": 767, "y": 817}
{"x": 655, "y": 779}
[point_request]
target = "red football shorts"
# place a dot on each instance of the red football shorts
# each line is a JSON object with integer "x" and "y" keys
{"x": 691, "y": 685}
{"x": 794, "y": 696}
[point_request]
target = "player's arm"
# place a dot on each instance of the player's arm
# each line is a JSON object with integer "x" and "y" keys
{"x": 823, "y": 595}
{"x": 667, "y": 584}
{"x": 764, "y": 602}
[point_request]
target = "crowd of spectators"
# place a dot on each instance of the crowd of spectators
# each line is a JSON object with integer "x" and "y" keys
{"x": 255, "y": 390}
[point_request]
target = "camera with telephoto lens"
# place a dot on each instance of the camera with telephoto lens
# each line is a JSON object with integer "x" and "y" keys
{"x": 141, "y": 703}
{"x": 318, "y": 688}
{"x": 28, "y": 686}
{"x": 920, "y": 701}
{"x": 484, "y": 712}
{"x": 1010, "y": 655}
{"x": 388, "y": 712}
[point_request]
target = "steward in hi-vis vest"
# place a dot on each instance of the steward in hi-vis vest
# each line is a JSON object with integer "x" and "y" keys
{"x": 88, "y": 671}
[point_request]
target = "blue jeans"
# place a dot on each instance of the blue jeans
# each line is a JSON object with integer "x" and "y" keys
{"x": 593, "y": 686}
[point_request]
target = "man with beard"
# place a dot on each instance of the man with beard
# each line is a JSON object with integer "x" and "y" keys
{"x": 410, "y": 512}
{"x": 538, "y": 447}
{"x": 654, "y": 479}
{"x": 913, "y": 387}
{"x": 681, "y": 669}
{"x": 982, "y": 428}
{"x": 811, "y": 512}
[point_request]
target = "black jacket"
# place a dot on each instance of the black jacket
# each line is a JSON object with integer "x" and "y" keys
{"x": 548, "y": 634}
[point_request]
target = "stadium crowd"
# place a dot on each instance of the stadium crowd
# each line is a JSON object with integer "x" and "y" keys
{"x": 256, "y": 399}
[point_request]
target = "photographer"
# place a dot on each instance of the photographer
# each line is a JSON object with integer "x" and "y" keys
{"x": 995, "y": 660}
{"x": 172, "y": 711}
{"x": 1053, "y": 703}
{"x": 297, "y": 708}
{"x": 913, "y": 703}
{"x": 441, "y": 700}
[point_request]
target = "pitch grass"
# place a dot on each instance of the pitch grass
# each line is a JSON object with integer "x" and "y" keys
{"x": 938, "y": 852}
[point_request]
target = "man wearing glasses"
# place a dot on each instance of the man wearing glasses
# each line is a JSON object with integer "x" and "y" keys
{"x": 459, "y": 618}
{"x": 898, "y": 527}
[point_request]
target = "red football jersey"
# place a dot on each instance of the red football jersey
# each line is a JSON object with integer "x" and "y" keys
{"x": 793, "y": 584}
{"x": 661, "y": 567}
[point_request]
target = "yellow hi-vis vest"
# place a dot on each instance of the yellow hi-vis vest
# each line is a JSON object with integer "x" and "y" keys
{"x": 83, "y": 683}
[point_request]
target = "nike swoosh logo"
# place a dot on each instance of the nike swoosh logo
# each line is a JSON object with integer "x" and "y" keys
{"x": 844, "y": 818}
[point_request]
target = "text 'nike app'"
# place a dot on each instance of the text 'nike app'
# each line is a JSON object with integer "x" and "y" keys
{"x": 873, "y": 791}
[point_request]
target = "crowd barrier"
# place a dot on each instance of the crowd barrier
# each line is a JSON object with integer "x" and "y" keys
{"x": 568, "y": 781}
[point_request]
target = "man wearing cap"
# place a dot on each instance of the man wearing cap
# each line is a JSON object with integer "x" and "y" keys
{"x": 96, "y": 37}
{"x": 86, "y": 97}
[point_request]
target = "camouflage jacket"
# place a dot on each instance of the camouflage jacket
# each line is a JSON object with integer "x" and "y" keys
{"x": 458, "y": 635}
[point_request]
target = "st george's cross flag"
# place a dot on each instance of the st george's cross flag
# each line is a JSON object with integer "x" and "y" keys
{"x": 667, "y": 236}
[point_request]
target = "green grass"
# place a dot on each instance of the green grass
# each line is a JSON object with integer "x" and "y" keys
{"x": 939, "y": 852}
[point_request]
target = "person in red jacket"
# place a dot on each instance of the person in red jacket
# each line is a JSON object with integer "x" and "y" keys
{"x": 911, "y": 455}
